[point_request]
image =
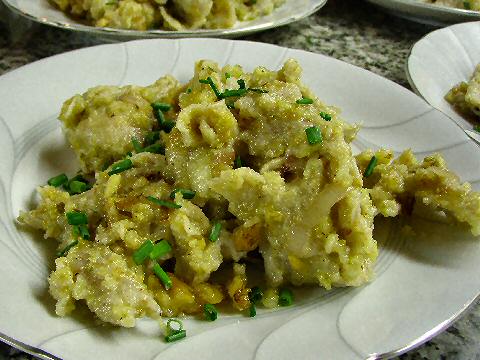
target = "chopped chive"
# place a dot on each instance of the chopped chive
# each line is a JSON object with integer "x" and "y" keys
{"x": 314, "y": 135}
{"x": 189, "y": 90}
{"x": 169, "y": 204}
{"x": 159, "y": 116}
{"x": 151, "y": 137}
{"x": 477, "y": 128}
{"x": 65, "y": 250}
{"x": 233, "y": 93}
{"x": 76, "y": 218}
{"x": 142, "y": 253}
{"x": 161, "y": 106}
{"x": 228, "y": 75}
{"x": 466, "y": 5}
{"x": 215, "y": 232}
{"x": 82, "y": 231}
{"x": 304, "y": 101}
{"x": 285, "y": 297}
{"x": 325, "y": 116}
{"x": 261, "y": 91}
{"x": 210, "y": 312}
{"x": 371, "y": 165}
{"x": 168, "y": 125}
{"x": 237, "y": 162}
{"x": 129, "y": 154}
{"x": 121, "y": 166}
{"x": 58, "y": 180}
{"x": 187, "y": 194}
{"x": 210, "y": 82}
{"x": 159, "y": 249}
{"x": 111, "y": 3}
{"x": 175, "y": 336}
{"x": 255, "y": 295}
{"x": 155, "y": 149}
{"x": 241, "y": 84}
{"x": 162, "y": 275}
{"x": 170, "y": 328}
{"x": 77, "y": 187}
{"x": 136, "y": 145}
{"x": 252, "y": 310}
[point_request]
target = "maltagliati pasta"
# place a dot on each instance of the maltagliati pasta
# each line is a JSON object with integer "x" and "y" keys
{"x": 183, "y": 187}
{"x": 167, "y": 14}
{"x": 465, "y": 96}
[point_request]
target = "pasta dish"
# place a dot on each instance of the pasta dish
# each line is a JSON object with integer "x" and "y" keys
{"x": 183, "y": 187}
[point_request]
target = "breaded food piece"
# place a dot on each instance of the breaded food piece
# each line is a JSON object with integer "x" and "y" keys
{"x": 466, "y": 95}
{"x": 101, "y": 123}
{"x": 394, "y": 185}
{"x": 112, "y": 290}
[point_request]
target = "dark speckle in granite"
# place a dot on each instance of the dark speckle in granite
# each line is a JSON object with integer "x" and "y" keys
{"x": 349, "y": 30}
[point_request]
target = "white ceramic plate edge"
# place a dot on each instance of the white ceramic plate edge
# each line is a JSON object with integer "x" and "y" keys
{"x": 112, "y": 33}
{"x": 375, "y": 78}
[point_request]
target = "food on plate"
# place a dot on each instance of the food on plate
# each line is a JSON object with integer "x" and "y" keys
{"x": 185, "y": 187}
{"x": 465, "y": 96}
{"x": 167, "y": 14}
{"x": 460, "y": 4}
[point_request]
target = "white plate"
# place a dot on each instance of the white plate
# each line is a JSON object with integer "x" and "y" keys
{"x": 397, "y": 311}
{"x": 427, "y": 13}
{"x": 441, "y": 60}
{"x": 43, "y": 12}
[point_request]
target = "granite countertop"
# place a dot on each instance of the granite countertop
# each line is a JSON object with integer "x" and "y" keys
{"x": 349, "y": 30}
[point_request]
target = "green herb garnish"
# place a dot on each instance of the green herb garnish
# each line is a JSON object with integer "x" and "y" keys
{"x": 253, "y": 310}
{"x": 161, "y": 106}
{"x": 187, "y": 194}
{"x": 76, "y": 218}
{"x": 210, "y": 82}
{"x": 325, "y": 116}
{"x": 77, "y": 187}
{"x": 136, "y": 145}
{"x": 143, "y": 252}
{"x": 152, "y": 137}
{"x": 215, "y": 232}
{"x": 65, "y": 250}
{"x": 121, "y": 166}
{"x": 175, "y": 334}
{"x": 162, "y": 275}
{"x": 58, "y": 180}
{"x": 304, "y": 101}
{"x": 371, "y": 165}
{"x": 285, "y": 297}
{"x": 255, "y": 295}
{"x": 210, "y": 312}
{"x": 81, "y": 231}
{"x": 155, "y": 149}
{"x": 159, "y": 249}
{"x": 237, "y": 162}
{"x": 168, "y": 204}
{"x": 314, "y": 135}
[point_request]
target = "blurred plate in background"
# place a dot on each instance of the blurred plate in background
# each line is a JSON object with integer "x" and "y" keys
{"x": 421, "y": 12}
{"x": 44, "y": 12}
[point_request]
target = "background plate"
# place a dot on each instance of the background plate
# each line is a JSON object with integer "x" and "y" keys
{"x": 426, "y": 13}
{"x": 43, "y": 12}
{"x": 441, "y": 60}
{"x": 397, "y": 311}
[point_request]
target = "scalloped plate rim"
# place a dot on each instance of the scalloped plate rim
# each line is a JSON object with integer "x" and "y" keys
{"x": 113, "y": 33}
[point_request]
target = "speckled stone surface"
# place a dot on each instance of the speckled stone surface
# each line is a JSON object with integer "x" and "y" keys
{"x": 349, "y": 30}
